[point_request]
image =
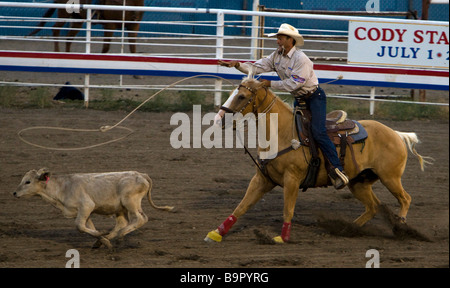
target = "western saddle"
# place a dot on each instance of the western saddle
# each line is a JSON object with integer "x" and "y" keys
{"x": 339, "y": 130}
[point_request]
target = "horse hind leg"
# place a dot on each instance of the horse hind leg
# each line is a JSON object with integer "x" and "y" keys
{"x": 394, "y": 185}
{"x": 361, "y": 187}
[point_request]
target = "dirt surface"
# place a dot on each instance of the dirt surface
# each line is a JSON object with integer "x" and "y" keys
{"x": 205, "y": 185}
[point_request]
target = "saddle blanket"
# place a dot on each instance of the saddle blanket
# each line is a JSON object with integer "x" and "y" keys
{"x": 362, "y": 134}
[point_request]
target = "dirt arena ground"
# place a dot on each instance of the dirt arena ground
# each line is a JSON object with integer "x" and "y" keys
{"x": 205, "y": 185}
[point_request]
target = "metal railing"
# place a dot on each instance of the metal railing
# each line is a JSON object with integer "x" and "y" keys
{"x": 219, "y": 43}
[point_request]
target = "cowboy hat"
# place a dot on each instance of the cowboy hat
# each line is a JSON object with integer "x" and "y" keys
{"x": 289, "y": 30}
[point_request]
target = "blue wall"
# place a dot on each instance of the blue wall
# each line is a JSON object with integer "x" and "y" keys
{"x": 437, "y": 12}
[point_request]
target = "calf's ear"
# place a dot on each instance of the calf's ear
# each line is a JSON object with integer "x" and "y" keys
{"x": 43, "y": 174}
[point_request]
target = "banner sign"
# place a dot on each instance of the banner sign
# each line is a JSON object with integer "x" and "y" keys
{"x": 398, "y": 44}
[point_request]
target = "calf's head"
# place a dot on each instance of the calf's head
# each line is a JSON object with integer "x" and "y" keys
{"x": 32, "y": 183}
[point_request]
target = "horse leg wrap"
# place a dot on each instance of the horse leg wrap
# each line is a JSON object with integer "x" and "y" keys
{"x": 226, "y": 225}
{"x": 286, "y": 232}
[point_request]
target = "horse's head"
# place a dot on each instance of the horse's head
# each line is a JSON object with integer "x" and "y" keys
{"x": 244, "y": 99}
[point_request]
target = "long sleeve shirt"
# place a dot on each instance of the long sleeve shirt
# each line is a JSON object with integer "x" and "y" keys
{"x": 295, "y": 71}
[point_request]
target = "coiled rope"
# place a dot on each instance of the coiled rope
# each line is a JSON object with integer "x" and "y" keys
{"x": 104, "y": 129}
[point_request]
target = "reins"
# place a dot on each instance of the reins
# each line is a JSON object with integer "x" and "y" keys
{"x": 260, "y": 164}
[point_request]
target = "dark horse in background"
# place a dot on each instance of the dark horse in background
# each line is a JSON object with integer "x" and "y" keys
{"x": 133, "y": 26}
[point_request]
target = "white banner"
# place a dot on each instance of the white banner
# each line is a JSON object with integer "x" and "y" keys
{"x": 398, "y": 44}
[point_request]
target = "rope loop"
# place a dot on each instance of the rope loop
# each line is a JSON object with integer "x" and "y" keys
{"x": 106, "y": 128}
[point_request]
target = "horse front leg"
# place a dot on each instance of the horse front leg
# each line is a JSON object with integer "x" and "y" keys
{"x": 290, "y": 191}
{"x": 107, "y": 36}
{"x": 75, "y": 28}
{"x": 259, "y": 185}
{"x": 56, "y": 34}
{"x": 132, "y": 35}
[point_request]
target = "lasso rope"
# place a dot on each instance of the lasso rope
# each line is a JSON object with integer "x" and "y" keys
{"x": 106, "y": 128}
{"x": 72, "y": 130}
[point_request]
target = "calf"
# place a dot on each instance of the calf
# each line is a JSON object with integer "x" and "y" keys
{"x": 79, "y": 195}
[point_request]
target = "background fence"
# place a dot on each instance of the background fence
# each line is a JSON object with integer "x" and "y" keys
{"x": 436, "y": 12}
{"x": 192, "y": 32}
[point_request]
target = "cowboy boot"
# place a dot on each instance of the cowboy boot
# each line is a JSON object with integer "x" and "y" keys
{"x": 338, "y": 178}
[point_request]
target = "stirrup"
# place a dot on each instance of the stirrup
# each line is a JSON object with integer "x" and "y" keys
{"x": 338, "y": 178}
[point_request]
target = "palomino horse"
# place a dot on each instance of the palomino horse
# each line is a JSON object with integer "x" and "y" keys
{"x": 132, "y": 25}
{"x": 383, "y": 157}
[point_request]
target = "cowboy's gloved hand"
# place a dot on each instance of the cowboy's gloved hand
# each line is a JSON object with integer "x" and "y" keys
{"x": 229, "y": 64}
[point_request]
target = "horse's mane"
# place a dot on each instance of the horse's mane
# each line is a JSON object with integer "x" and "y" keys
{"x": 252, "y": 82}
{"x": 255, "y": 84}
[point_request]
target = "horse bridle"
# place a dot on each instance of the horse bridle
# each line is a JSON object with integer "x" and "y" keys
{"x": 255, "y": 109}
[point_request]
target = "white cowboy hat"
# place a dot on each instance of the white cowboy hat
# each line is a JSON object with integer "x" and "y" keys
{"x": 289, "y": 30}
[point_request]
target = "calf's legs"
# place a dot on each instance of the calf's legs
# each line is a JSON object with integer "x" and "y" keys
{"x": 137, "y": 219}
{"x": 84, "y": 224}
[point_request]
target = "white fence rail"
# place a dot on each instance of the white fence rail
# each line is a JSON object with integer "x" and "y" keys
{"x": 187, "y": 53}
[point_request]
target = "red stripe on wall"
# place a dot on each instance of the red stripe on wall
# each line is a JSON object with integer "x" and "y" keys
{"x": 194, "y": 61}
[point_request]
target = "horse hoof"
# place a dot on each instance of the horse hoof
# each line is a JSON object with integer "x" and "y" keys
{"x": 213, "y": 236}
{"x": 278, "y": 240}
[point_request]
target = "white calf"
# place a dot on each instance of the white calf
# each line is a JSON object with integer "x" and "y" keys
{"x": 79, "y": 195}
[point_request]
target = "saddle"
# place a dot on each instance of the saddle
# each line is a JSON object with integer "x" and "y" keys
{"x": 342, "y": 132}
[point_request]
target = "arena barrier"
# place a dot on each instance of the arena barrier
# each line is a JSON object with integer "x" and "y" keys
{"x": 126, "y": 64}
{"x": 174, "y": 66}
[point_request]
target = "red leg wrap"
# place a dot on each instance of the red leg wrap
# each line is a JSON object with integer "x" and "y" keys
{"x": 226, "y": 225}
{"x": 286, "y": 232}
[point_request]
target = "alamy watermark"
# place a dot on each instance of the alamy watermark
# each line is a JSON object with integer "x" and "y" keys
{"x": 373, "y": 6}
{"x": 258, "y": 128}
{"x": 374, "y": 258}
{"x": 74, "y": 261}
{"x": 73, "y": 6}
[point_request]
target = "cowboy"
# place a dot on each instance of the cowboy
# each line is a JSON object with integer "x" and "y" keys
{"x": 297, "y": 76}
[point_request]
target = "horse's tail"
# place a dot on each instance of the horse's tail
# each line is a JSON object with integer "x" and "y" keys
{"x": 47, "y": 14}
{"x": 411, "y": 140}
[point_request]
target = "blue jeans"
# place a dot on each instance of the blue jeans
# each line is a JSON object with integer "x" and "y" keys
{"x": 317, "y": 104}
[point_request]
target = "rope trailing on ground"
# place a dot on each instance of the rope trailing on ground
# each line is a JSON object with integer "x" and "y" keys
{"x": 105, "y": 128}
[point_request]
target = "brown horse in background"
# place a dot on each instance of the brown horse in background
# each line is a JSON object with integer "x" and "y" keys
{"x": 132, "y": 27}
{"x": 382, "y": 157}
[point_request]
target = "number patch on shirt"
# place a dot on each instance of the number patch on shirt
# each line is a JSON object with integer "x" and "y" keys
{"x": 298, "y": 79}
